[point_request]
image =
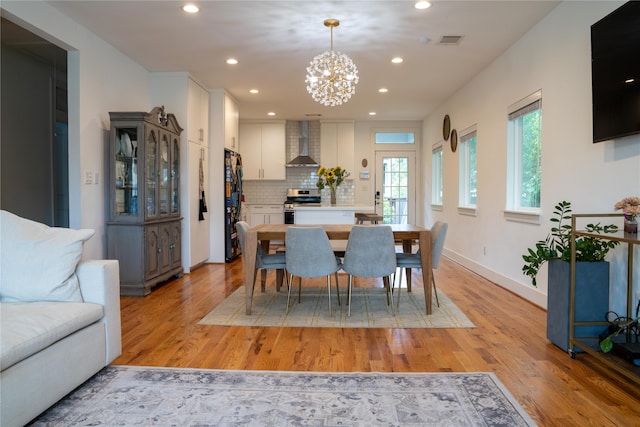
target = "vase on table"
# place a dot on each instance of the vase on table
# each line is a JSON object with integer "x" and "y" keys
{"x": 631, "y": 224}
{"x": 333, "y": 196}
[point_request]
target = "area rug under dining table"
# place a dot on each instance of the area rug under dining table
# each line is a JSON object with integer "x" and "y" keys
{"x": 369, "y": 310}
{"x": 151, "y": 396}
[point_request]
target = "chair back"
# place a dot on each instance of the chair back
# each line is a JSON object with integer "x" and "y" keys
{"x": 241, "y": 228}
{"x": 370, "y": 251}
{"x": 309, "y": 253}
{"x": 438, "y": 234}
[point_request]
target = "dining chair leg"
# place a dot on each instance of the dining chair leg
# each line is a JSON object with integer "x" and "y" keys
{"x": 385, "y": 281}
{"x": 299, "y": 289}
{"x": 329, "y": 291}
{"x": 399, "y": 288}
{"x": 349, "y": 294}
{"x": 289, "y": 284}
{"x": 337, "y": 288}
{"x": 389, "y": 290}
{"x": 435, "y": 291}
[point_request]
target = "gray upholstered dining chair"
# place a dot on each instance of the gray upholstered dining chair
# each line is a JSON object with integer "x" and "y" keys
{"x": 264, "y": 261}
{"x": 309, "y": 254}
{"x": 371, "y": 253}
{"x": 438, "y": 234}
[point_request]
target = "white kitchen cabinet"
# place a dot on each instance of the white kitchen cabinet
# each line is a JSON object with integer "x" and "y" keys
{"x": 263, "y": 150}
{"x": 231, "y": 122}
{"x": 266, "y": 214}
{"x": 337, "y": 145}
{"x": 198, "y": 117}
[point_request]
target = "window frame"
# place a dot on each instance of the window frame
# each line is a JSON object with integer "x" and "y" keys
{"x": 407, "y": 133}
{"x": 465, "y": 206}
{"x": 515, "y": 112}
{"x": 437, "y": 185}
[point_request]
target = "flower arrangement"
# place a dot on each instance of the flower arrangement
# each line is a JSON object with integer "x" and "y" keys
{"x": 332, "y": 178}
{"x": 630, "y": 206}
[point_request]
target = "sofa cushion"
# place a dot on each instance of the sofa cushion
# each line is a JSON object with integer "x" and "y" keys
{"x": 38, "y": 262}
{"x": 26, "y": 328}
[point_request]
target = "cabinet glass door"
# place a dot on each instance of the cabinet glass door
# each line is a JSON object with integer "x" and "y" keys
{"x": 151, "y": 156}
{"x": 175, "y": 176}
{"x": 126, "y": 172}
{"x": 164, "y": 175}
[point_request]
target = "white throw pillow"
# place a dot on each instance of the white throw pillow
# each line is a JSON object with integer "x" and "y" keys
{"x": 38, "y": 262}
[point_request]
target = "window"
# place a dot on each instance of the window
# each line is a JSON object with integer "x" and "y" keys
{"x": 436, "y": 175}
{"x": 468, "y": 168}
{"x": 395, "y": 138}
{"x": 524, "y": 151}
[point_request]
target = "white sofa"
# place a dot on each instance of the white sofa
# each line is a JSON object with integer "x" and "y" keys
{"x": 52, "y": 337}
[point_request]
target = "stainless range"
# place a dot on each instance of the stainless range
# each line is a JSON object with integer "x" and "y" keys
{"x": 299, "y": 197}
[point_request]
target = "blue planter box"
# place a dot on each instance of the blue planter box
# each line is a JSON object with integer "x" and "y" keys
{"x": 591, "y": 300}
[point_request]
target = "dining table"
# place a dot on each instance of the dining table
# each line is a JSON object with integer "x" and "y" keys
{"x": 407, "y": 234}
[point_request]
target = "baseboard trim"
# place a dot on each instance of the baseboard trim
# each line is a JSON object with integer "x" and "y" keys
{"x": 531, "y": 294}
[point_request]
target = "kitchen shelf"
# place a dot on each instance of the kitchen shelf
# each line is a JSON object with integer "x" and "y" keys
{"x": 591, "y": 345}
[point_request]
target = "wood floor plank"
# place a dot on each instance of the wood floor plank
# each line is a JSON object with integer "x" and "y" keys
{"x": 509, "y": 339}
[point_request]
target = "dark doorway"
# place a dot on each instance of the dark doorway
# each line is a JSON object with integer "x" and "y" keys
{"x": 34, "y": 170}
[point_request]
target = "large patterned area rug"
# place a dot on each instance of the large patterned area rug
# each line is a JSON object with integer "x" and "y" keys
{"x": 142, "y": 396}
{"x": 369, "y": 310}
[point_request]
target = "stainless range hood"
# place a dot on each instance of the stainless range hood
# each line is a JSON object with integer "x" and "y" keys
{"x": 303, "y": 159}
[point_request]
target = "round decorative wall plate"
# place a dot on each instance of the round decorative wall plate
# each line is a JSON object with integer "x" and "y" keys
{"x": 454, "y": 140}
{"x": 446, "y": 127}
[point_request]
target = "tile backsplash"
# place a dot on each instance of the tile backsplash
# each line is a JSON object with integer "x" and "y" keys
{"x": 275, "y": 192}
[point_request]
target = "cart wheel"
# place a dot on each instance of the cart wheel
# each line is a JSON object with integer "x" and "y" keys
{"x": 572, "y": 354}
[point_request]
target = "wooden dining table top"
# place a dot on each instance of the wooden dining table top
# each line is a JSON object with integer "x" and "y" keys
{"x": 407, "y": 233}
{"x": 337, "y": 231}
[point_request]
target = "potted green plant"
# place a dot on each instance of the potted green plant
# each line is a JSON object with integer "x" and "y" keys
{"x": 591, "y": 298}
{"x": 557, "y": 244}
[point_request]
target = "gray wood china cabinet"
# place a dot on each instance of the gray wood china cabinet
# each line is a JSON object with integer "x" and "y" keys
{"x": 143, "y": 232}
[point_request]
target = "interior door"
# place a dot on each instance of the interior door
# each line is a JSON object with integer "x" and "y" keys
{"x": 395, "y": 186}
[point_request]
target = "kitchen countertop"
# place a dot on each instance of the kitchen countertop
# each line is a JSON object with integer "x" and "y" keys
{"x": 338, "y": 207}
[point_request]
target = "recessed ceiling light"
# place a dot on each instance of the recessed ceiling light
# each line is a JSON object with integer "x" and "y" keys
{"x": 232, "y": 61}
{"x": 271, "y": 113}
{"x": 372, "y": 113}
{"x": 631, "y": 80}
{"x": 254, "y": 91}
{"x": 383, "y": 90}
{"x": 190, "y": 8}
{"x": 397, "y": 60}
{"x": 421, "y": 4}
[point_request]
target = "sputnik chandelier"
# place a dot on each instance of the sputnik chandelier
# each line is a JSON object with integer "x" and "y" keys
{"x": 331, "y": 76}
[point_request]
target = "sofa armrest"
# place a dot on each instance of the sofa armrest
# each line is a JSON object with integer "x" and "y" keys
{"x": 100, "y": 284}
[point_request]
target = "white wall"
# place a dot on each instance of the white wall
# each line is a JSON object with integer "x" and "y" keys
{"x": 101, "y": 79}
{"x": 553, "y": 56}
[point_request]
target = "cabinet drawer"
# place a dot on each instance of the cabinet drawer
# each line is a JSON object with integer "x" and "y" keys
{"x": 267, "y": 209}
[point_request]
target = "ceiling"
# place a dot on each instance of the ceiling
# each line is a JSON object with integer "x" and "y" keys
{"x": 275, "y": 40}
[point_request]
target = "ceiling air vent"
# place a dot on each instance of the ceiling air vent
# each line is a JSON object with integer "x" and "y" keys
{"x": 450, "y": 40}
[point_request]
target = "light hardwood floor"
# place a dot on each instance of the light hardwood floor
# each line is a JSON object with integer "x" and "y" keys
{"x": 162, "y": 329}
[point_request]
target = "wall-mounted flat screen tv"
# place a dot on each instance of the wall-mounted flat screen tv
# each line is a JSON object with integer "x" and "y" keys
{"x": 615, "y": 73}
